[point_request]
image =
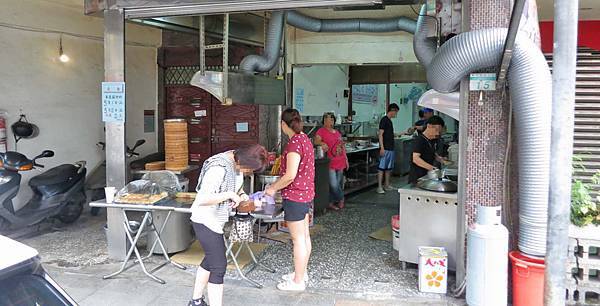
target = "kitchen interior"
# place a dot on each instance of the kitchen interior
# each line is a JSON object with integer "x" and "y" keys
{"x": 359, "y": 95}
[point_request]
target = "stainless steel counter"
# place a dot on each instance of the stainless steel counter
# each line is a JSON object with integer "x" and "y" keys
{"x": 373, "y": 147}
{"x": 403, "y": 146}
{"x": 427, "y": 218}
{"x": 362, "y": 172}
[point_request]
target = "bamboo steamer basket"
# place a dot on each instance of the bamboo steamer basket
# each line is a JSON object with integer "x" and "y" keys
{"x": 176, "y": 144}
{"x": 153, "y": 166}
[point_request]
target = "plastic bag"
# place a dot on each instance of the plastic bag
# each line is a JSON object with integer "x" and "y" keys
{"x": 141, "y": 192}
{"x": 166, "y": 180}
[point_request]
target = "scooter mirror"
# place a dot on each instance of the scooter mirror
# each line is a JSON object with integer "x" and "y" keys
{"x": 139, "y": 143}
{"x": 45, "y": 154}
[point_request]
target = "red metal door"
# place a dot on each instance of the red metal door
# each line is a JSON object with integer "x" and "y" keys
{"x": 233, "y": 126}
{"x": 194, "y": 105}
{"x": 212, "y": 127}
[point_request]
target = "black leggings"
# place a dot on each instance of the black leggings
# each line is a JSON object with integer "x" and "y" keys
{"x": 214, "y": 253}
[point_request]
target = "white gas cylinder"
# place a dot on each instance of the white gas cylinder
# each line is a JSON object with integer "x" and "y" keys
{"x": 487, "y": 259}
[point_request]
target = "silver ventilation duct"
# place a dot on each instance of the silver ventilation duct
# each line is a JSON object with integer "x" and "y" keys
{"x": 423, "y": 46}
{"x": 531, "y": 93}
{"x": 266, "y": 62}
{"x": 312, "y": 24}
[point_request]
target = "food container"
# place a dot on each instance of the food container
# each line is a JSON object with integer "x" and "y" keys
{"x": 433, "y": 270}
{"x": 246, "y": 207}
{"x": 176, "y": 144}
{"x": 319, "y": 154}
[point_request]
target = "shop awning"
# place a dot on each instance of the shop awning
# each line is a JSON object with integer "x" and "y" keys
{"x": 165, "y": 8}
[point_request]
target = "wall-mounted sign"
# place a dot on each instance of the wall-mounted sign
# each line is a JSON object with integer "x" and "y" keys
{"x": 365, "y": 93}
{"x": 299, "y": 99}
{"x": 149, "y": 121}
{"x": 113, "y": 101}
{"x": 482, "y": 82}
{"x": 200, "y": 113}
{"x": 241, "y": 127}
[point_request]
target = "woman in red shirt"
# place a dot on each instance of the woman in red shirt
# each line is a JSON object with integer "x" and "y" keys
{"x": 331, "y": 141}
{"x": 297, "y": 185}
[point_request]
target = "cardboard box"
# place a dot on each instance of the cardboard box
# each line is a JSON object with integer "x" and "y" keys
{"x": 433, "y": 270}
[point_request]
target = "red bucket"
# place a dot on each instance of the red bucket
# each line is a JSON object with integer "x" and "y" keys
{"x": 527, "y": 279}
{"x": 396, "y": 222}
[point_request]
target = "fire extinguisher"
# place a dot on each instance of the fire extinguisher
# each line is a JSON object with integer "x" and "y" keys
{"x": 3, "y": 146}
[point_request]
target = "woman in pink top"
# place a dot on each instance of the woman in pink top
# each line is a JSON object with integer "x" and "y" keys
{"x": 331, "y": 141}
{"x": 297, "y": 185}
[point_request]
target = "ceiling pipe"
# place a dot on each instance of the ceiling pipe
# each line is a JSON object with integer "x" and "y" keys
{"x": 266, "y": 62}
{"x": 312, "y": 24}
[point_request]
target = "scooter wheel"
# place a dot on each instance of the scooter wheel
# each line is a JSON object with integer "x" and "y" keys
{"x": 70, "y": 212}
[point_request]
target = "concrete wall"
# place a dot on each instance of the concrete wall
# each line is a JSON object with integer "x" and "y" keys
{"x": 351, "y": 48}
{"x": 63, "y": 99}
{"x": 321, "y": 88}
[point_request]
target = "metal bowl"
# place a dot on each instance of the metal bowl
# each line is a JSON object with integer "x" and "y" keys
{"x": 267, "y": 179}
{"x": 439, "y": 185}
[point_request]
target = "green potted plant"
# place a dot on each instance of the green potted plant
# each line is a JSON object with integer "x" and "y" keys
{"x": 585, "y": 208}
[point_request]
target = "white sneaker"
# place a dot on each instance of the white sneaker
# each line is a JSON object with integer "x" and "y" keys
{"x": 380, "y": 190}
{"x": 290, "y": 276}
{"x": 291, "y": 286}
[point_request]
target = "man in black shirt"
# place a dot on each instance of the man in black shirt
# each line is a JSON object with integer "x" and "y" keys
{"x": 386, "y": 148}
{"x": 424, "y": 150}
{"x": 424, "y": 115}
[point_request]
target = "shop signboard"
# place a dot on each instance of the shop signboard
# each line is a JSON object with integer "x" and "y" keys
{"x": 366, "y": 93}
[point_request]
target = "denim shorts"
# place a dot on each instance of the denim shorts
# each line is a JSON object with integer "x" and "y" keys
{"x": 295, "y": 211}
{"x": 386, "y": 163}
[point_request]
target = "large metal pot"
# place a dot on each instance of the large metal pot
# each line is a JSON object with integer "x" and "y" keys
{"x": 266, "y": 179}
{"x": 435, "y": 174}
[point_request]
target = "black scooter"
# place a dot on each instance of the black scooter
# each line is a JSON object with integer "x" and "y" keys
{"x": 58, "y": 192}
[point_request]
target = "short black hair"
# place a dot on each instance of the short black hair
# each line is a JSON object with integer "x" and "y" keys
{"x": 436, "y": 120}
{"x": 393, "y": 107}
{"x": 421, "y": 113}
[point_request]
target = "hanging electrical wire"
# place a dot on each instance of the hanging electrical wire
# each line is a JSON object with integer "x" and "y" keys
{"x": 77, "y": 35}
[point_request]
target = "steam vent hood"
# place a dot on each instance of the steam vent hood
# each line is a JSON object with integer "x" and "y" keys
{"x": 242, "y": 88}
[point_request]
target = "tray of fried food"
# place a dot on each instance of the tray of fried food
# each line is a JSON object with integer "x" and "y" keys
{"x": 141, "y": 198}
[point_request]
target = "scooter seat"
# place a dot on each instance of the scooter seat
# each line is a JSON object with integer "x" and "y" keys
{"x": 57, "y": 175}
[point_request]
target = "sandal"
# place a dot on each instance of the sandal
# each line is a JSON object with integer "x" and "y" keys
{"x": 333, "y": 207}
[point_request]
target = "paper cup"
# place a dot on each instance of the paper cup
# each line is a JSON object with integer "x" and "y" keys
{"x": 109, "y": 192}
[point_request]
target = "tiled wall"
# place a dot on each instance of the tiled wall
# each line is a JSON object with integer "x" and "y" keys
{"x": 487, "y": 122}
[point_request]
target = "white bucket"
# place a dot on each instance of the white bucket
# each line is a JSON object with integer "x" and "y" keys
{"x": 396, "y": 238}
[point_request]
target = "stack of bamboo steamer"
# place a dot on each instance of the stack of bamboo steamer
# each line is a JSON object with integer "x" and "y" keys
{"x": 176, "y": 144}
